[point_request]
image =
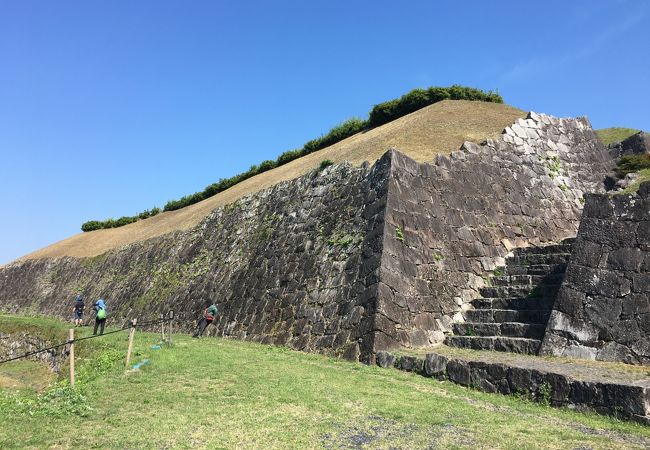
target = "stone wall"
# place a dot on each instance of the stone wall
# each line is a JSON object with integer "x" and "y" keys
{"x": 345, "y": 261}
{"x": 603, "y": 307}
{"x": 19, "y": 343}
{"x": 603, "y": 390}
{"x": 295, "y": 265}
{"x": 449, "y": 224}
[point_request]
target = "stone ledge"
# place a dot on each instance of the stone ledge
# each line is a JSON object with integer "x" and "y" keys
{"x": 536, "y": 379}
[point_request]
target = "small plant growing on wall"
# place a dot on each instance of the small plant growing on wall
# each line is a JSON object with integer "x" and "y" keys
{"x": 399, "y": 234}
{"x": 553, "y": 166}
{"x": 325, "y": 163}
{"x": 544, "y": 393}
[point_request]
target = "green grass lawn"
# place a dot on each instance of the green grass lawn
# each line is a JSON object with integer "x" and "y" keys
{"x": 216, "y": 393}
{"x": 615, "y": 134}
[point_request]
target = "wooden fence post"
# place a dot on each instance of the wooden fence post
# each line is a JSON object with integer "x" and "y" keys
{"x": 71, "y": 340}
{"x": 162, "y": 327}
{"x": 171, "y": 321}
{"x": 128, "y": 352}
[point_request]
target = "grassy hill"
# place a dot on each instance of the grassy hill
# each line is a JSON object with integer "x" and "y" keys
{"x": 615, "y": 134}
{"x": 439, "y": 128}
{"x": 215, "y": 393}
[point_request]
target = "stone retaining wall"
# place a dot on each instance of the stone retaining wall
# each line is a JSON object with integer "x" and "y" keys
{"x": 621, "y": 399}
{"x": 449, "y": 224}
{"x": 16, "y": 344}
{"x": 345, "y": 261}
{"x": 295, "y": 265}
{"x": 603, "y": 307}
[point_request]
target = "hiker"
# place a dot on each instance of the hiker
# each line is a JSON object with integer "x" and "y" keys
{"x": 100, "y": 316}
{"x": 78, "y": 310}
{"x": 208, "y": 316}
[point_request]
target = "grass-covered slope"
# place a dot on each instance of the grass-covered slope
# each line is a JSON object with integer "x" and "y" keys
{"x": 215, "y": 393}
{"x": 615, "y": 134}
{"x": 439, "y": 128}
{"x": 381, "y": 114}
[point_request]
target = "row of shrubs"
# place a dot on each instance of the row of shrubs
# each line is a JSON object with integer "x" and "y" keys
{"x": 419, "y": 98}
{"x": 114, "y": 223}
{"x": 379, "y": 115}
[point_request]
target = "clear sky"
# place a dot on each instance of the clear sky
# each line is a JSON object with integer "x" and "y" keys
{"x": 108, "y": 108}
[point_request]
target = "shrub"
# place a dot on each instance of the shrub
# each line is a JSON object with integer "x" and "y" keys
{"x": 92, "y": 225}
{"x": 338, "y": 133}
{"x": 632, "y": 163}
{"x": 288, "y": 156}
{"x": 266, "y": 165}
{"x": 419, "y": 98}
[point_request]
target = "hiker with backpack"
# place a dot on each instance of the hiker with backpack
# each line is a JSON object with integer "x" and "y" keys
{"x": 100, "y": 316}
{"x": 78, "y": 310}
{"x": 208, "y": 317}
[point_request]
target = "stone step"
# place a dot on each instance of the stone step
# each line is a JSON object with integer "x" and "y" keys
{"x": 535, "y": 269}
{"x": 513, "y": 303}
{"x": 527, "y": 280}
{"x": 509, "y": 329}
{"x": 533, "y": 259}
{"x": 541, "y": 291}
{"x": 496, "y": 343}
{"x": 532, "y": 316}
{"x": 564, "y": 247}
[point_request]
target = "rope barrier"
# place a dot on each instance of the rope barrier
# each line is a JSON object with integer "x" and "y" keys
{"x": 34, "y": 352}
{"x": 68, "y": 342}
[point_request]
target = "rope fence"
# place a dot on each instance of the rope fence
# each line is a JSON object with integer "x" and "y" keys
{"x": 131, "y": 326}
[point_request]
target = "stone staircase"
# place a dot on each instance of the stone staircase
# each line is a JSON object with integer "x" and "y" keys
{"x": 512, "y": 313}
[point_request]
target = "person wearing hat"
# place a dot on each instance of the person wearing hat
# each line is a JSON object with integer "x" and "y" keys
{"x": 78, "y": 310}
{"x": 100, "y": 316}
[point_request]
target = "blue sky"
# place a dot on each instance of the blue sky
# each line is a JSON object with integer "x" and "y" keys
{"x": 109, "y": 108}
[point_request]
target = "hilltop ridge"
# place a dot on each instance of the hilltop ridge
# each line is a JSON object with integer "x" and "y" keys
{"x": 439, "y": 128}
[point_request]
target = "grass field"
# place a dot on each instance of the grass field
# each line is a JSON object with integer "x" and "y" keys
{"x": 439, "y": 128}
{"x": 615, "y": 134}
{"x": 214, "y": 393}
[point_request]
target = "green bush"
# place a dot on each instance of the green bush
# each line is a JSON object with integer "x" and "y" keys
{"x": 288, "y": 156}
{"x": 419, "y": 98}
{"x": 338, "y": 133}
{"x": 379, "y": 115}
{"x": 632, "y": 163}
{"x": 92, "y": 225}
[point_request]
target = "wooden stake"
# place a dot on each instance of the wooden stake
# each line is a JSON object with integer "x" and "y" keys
{"x": 171, "y": 320}
{"x": 131, "y": 334}
{"x": 71, "y": 340}
{"x": 162, "y": 327}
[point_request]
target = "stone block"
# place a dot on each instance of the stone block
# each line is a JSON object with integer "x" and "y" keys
{"x": 435, "y": 365}
{"x": 385, "y": 359}
{"x": 458, "y": 372}
{"x": 410, "y": 364}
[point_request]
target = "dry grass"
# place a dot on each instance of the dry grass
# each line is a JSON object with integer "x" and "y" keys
{"x": 439, "y": 128}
